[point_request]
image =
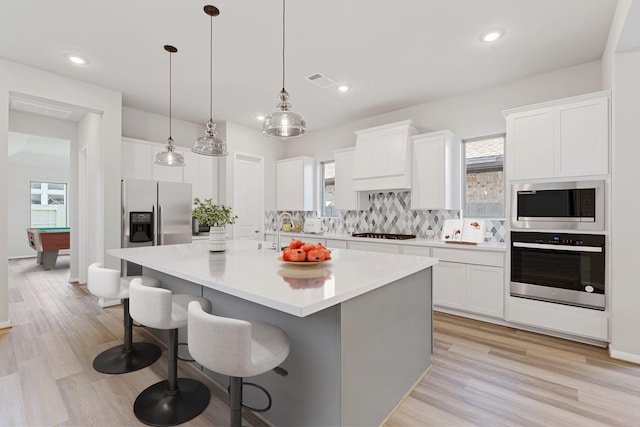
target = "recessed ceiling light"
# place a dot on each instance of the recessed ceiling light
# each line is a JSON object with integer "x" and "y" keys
{"x": 260, "y": 117}
{"x": 491, "y": 36}
{"x": 343, "y": 88}
{"x": 76, "y": 59}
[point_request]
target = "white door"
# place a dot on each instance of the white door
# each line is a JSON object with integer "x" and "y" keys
{"x": 248, "y": 196}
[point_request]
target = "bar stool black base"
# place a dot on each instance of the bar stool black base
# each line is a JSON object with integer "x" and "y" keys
{"x": 155, "y": 406}
{"x": 116, "y": 361}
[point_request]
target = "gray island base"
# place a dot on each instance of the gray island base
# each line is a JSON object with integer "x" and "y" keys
{"x": 351, "y": 363}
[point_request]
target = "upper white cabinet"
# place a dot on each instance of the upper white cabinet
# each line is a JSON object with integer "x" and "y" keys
{"x": 436, "y": 160}
{"x": 137, "y": 158}
{"x": 383, "y": 157}
{"x": 201, "y": 172}
{"x": 346, "y": 198}
{"x": 295, "y": 179}
{"x": 564, "y": 138}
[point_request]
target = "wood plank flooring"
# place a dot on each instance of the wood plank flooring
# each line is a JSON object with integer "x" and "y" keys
{"x": 482, "y": 374}
{"x": 490, "y": 375}
{"x": 46, "y": 373}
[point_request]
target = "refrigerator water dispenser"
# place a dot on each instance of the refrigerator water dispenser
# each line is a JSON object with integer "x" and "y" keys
{"x": 141, "y": 227}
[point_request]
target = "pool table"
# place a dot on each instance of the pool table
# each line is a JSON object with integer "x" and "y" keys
{"x": 47, "y": 242}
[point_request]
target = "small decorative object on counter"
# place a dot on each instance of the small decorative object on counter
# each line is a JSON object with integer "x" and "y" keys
{"x": 216, "y": 217}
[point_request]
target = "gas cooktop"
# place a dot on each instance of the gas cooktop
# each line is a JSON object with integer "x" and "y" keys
{"x": 385, "y": 236}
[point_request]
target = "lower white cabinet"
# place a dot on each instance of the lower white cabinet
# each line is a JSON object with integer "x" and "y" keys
{"x": 469, "y": 286}
{"x": 374, "y": 247}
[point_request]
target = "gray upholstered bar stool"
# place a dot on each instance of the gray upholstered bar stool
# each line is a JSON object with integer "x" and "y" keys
{"x": 236, "y": 348}
{"x": 174, "y": 400}
{"x": 127, "y": 357}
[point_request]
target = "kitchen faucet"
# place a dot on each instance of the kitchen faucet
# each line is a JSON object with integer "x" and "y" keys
{"x": 279, "y": 227}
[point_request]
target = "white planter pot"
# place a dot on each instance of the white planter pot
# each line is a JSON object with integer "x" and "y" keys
{"x": 217, "y": 239}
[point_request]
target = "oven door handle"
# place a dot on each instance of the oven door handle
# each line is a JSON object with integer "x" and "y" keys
{"x": 557, "y": 247}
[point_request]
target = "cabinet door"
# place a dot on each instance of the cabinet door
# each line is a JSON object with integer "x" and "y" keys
{"x": 485, "y": 290}
{"x": 449, "y": 285}
{"x": 345, "y": 197}
{"x": 582, "y": 138}
{"x": 190, "y": 173}
{"x": 137, "y": 158}
{"x": 530, "y": 151}
{"x": 290, "y": 188}
{"x": 433, "y": 173}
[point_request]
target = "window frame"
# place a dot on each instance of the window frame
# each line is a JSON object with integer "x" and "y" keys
{"x": 321, "y": 189}
{"x": 64, "y": 192}
{"x": 502, "y": 135}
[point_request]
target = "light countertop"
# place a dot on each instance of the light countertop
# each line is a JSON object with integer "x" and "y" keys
{"x": 418, "y": 241}
{"x": 258, "y": 276}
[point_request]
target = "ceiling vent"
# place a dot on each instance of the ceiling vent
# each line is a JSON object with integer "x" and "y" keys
{"x": 42, "y": 109}
{"x": 321, "y": 80}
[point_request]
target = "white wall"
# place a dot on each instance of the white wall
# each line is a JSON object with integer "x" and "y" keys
{"x": 107, "y": 104}
{"x": 468, "y": 115}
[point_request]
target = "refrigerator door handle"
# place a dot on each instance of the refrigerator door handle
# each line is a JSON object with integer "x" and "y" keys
{"x": 160, "y": 235}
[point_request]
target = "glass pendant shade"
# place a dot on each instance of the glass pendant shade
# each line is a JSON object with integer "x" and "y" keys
{"x": 169, "y": 157}
{"x": 284, "y": 123}
{"x": 210, "y": 144}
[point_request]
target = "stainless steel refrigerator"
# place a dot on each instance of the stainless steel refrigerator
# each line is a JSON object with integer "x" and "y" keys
{"x": 154, "y": 213}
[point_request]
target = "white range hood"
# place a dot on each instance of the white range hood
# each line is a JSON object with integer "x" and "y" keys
{"x": 383, "y": 157}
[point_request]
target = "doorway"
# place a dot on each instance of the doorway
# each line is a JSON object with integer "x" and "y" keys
{"x": 248, "y": 196}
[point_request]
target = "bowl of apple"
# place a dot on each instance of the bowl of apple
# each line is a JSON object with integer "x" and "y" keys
{"x": 303, "y": 254}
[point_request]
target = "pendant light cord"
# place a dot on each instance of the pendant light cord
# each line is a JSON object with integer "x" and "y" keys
{"x": 211, "y": 69}
{"x": 170, "y": 95}
{"x": 283, "y": 30}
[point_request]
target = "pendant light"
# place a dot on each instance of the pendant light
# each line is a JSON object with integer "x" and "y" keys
{"x": 284, "y": 123}
{"x": 210, "y": 144}
{"x": 169, "y": 157}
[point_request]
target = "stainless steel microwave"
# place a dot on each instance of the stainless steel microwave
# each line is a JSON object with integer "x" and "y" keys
{"x": 558, "y": 206}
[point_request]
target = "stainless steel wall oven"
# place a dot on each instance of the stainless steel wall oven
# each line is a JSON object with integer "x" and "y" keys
{"x": 563, "y": 268}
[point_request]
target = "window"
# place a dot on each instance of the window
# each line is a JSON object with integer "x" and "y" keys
{"x": 484, "y": 177}
{"x": 327, "y": 189}
{"x": 48, "y": 204}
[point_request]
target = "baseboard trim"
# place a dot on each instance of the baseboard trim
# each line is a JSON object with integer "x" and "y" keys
{"x": 104, "y": 303}
{"x": 6, "y": 324}
{"x": 621, "y": 355}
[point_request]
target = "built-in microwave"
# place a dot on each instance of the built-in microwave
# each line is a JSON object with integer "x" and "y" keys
{"x": 558, "y": 206}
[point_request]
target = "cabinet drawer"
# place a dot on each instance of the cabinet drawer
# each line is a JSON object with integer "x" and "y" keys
{"x": 495, "y": 259}
{"x": 416, "y": 250}
{"x": 337, "y": 244}
{"x": 375, "y": 247}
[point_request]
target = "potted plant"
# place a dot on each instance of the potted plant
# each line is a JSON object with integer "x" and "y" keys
{"x": 216, "y": 217}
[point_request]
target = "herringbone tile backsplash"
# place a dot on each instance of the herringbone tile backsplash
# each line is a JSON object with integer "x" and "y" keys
{"x": 389, "y": 213}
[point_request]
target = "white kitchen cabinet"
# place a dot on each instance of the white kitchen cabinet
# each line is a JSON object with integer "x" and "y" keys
{"x": 436, "y": 161}
{"x": 470, "y": 281}
{"x": 383, "y": 157}
{"x": 137, "y": 158}
{"x": 346, "y": 198}
{"x": 558, "y": 139}
{"x": 201, "y": 172}
{"x": 416, "y": 250}
{"x": 374, "y": 247}
{"x": 336, "y": 244}
{"x": 295, "y": 179}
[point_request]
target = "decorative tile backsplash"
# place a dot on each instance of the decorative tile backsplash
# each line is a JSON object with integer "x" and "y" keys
{"x": 388, "y": 213}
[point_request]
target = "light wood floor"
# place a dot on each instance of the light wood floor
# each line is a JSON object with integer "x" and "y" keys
{"x": 490, "y": 375}
{"x": 46, "y": 373}
{"x": 482, "y": 374}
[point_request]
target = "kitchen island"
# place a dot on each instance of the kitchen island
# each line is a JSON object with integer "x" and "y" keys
{"x": 360, "y": 325}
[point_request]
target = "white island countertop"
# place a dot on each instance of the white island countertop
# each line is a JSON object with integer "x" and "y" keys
{"x": 258, "y": 276}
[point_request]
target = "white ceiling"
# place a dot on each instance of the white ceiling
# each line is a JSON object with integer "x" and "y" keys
{"x": 394, "y": 54}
